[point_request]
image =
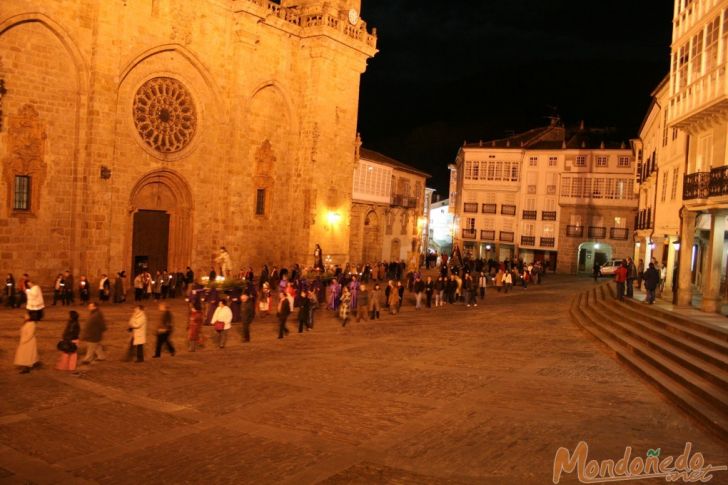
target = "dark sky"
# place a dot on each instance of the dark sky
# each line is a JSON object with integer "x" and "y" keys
{"x": 455, "y": 70}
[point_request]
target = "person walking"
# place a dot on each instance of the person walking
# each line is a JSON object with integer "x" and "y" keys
{"x": 93, "y": 334}
{"x": 247, "y": 314}
{"x": 284, "y": 310}
{"x": 68, "y": 346}
{"x": 26, "y": 355}
{"x": 482, "y": 282}
{"x": 375, "y": 302}
{"x": 120, "y": 287}
{"x": 34, "y": 301}
{"x": 194, "y": 328}
{"x": 596, "y": 271}
{"x": 222, "y": 319}
{"x": 84, "y": 290}
{"x": 362, "y": 311}
{"x": 164, "y": 332}
{"x": 393, "y": 299}
{"x": 304, "y": 310}
{"x": 507, "y": 281}
{"x": 651, "y": 278}
{"x": 419, "y": 288}
{"x": 58, "y": 290}
{"x": 138, "y": 287}
{"x": 138, "y": 330}
{"x": 344, "y": 306}
{"x": 104, "y": 288}
{"x": 429, "y": 290}
{"x": 67, "y": 288}
{"x": 439, "y": 291}
{"x": 10, "y": 297}
{"x": 620, "y": 277}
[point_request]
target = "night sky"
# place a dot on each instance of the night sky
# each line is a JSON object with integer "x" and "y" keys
{"x": 456, "y": 70}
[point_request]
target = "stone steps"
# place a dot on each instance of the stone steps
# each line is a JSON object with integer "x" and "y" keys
{"x": 688, "y": 365}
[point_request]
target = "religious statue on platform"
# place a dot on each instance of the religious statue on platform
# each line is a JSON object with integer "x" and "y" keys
{"x": 223, "y": 261}
{"x": 318, "y": 258}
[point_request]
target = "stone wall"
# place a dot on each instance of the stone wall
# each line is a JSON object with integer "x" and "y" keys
{"x": 271, "y": 108}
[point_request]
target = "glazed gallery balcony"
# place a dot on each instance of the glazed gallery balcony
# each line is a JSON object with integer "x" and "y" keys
{"x": 403, "y": 201}
{"x": 702, "y": 185}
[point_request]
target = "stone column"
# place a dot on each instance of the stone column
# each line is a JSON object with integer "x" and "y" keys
{"x": 714, "y": 260}
{"x": 687, "y": 238}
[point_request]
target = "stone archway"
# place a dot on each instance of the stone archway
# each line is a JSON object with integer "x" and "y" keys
{"x": 160, "y": 221}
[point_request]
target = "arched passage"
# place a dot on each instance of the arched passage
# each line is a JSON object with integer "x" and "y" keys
{"x": 592, "y": 252}
{"x": 160, "y": 222}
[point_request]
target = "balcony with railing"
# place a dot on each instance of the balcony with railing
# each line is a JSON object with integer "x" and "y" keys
{"x": 489, "y": 208}
{"x": 507, "y": 236}
{"x": 487, "y": 235}
{"x": 597, "y": 232}
{"x": 469, "y": 233}
{"x": 548, "y": 242}
{"x": 508, "y": 210}
{"x": 696, "y": 185}
{"x": 574, "y": 231}
{"x": 530, "y": 215}
{"x": 399, "y": 200}
{"x": 718, "y": 181}
{"x": 619, "y": 233}
{"x": 548, "y": 215}
{"x": 528, "y": 240}
{"x": 470, "y": 207}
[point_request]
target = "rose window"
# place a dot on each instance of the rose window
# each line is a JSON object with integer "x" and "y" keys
{"x": 164, "y": 114}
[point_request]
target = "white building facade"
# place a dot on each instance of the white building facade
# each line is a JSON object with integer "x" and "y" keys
{"x": 698, "y": 106}
{"x": 564, "y": 197}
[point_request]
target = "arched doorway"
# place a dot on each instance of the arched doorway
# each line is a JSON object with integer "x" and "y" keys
{"x": 372, "y": 252}
{"x": 160, "y": 223}
{"x": 592, "y": 252}
{"x": 395, "y": 253}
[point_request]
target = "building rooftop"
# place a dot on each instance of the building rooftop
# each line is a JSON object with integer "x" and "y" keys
{"x": 366, "y": 154}
{"x": 556, "y": 136}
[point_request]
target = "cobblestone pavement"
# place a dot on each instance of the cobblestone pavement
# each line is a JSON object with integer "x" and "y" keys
{"x": 447, "y": 395}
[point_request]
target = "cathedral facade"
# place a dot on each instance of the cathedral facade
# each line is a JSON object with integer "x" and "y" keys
{"x": 149, "y": 133}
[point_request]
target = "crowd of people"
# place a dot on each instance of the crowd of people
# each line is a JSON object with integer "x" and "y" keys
{"x": 628, "y": 275}
{"x": 360, "y": 293}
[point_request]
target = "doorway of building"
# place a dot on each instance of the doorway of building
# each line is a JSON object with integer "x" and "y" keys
{"x": 395, "y": 254}
{"x": 590, "y": 253}
{"x": 150, "y": 241}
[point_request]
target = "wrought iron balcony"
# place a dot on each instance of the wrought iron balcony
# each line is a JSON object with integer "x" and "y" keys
{"x": 528, "y": 240}
{"x": 619, "y": 233}
{"x": 718, "y": 181}
{"x": 574, "y": 231}
{"x": 470, "y": 207}
{"x": 548, "y": 215}
{"x": 597, "y": 232}
{"x": 530, "y": 215}
{"x": 548, "y": 242}
{"x": 696, "y": 185}
{"x": 469, "y": 233}
{"x": 486, "y": 235}
{"x": 507, "y": 236}
{"x": 489, "y": 208}
{"x": 508, "y": 210}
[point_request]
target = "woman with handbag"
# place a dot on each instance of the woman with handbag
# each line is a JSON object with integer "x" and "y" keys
{"x": 222, "y": 319}
{"x": 68, "y": 346}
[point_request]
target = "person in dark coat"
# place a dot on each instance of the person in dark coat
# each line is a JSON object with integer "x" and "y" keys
{"x": 651, "y": 279}
{"x": 119, "y": 290}
{"x": 284, "y": 309}
{"x": 93, "y": 333}
{"x": 247, "y": 313}
{"x": 10, "y": 291}
{"x": 304, "y": 310}
{"x": 68, "y": 353}
{"x": 164, "y": 332}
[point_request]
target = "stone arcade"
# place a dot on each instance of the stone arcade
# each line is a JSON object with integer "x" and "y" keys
{"x": 155, "y": 131}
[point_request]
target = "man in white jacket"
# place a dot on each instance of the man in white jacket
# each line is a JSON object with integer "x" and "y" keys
{"x": 222, "y": 319}
{"x": 35, "y": 304}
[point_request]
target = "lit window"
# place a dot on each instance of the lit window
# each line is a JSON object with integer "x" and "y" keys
{"x": 21, "y": 199}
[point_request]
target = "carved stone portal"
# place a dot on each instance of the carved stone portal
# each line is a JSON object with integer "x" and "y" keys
{"x": 25, "y": 155}
{"x": 164, "y": 114}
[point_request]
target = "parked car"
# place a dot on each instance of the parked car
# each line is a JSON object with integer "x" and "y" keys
{"x": 610, "y": 267}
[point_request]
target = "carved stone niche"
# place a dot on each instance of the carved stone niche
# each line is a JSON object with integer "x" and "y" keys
{"x": 25, "y": 155}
